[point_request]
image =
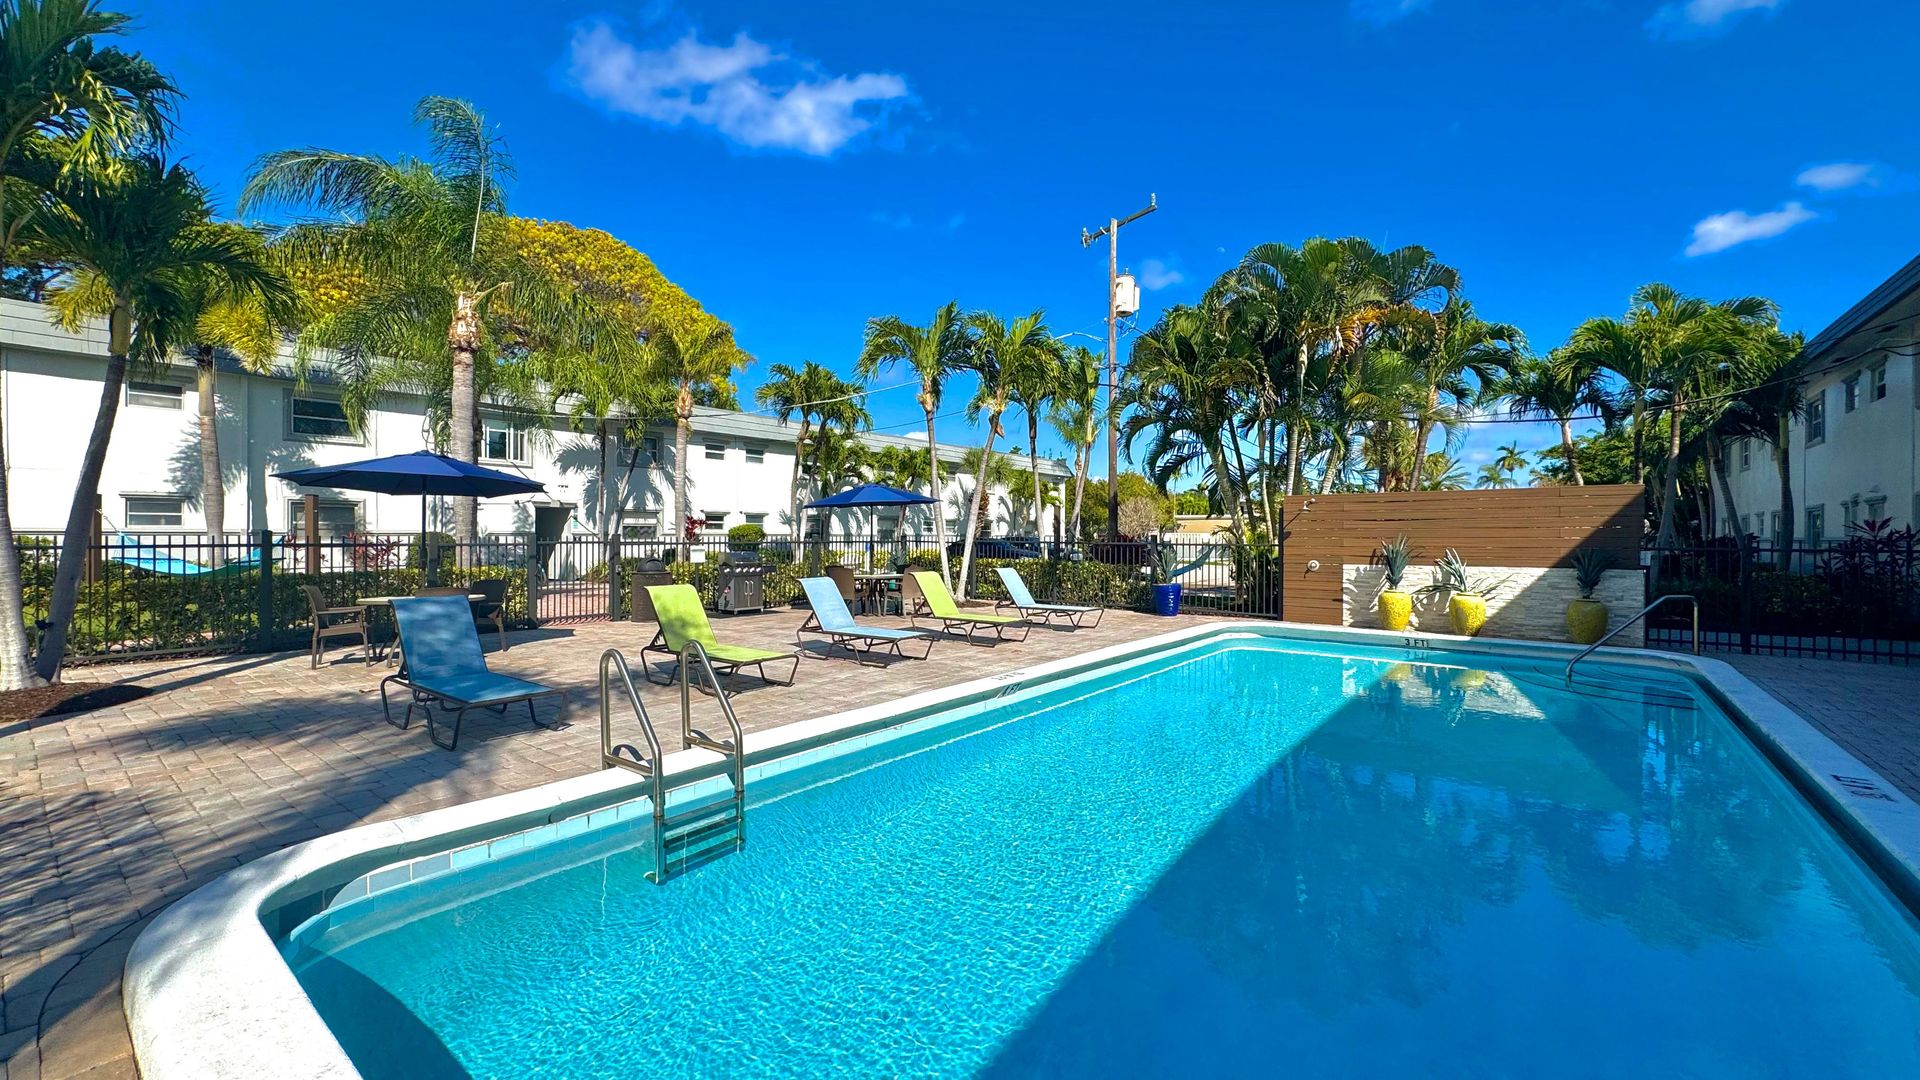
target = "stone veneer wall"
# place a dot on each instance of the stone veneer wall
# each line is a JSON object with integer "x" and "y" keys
{"x": 1531, "y": 605}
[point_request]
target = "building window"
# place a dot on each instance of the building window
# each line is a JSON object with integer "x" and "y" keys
{"x": 1877, "y": 508}
{"x": 716, "y": 451}
{"x": 1776, "y": 526}
{"x": 154, "y": 395}
{"x": 502, "y": 440}
{"x": 1850, "y": 510}
{"x": 319, "y": 418}
{"x": 1816, "y": 418}
{"x": 336, "y": 518}
{"x": 716, "y": 520}
{"x": 642, "y": 455}
{"x": 756, "y": 455}
{"x": 1877, "y": 382}
{"x": 757, "y": 519}
{"x": 1746, "y": 455}
{"x": 1816, "y": 525}
{"x": 155, "y": 511}
{"x": 1852, "y": 395}
{"x": 1746, "y": 524}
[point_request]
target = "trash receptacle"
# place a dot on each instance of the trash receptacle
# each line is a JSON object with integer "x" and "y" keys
{"x": 651, "y": 572}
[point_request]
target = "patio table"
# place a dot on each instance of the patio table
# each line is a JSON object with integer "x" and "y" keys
{"x": 873, "y": 587}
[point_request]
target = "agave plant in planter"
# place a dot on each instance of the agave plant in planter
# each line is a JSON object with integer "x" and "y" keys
{"x": 1466, "y": 595}
{"x": 1164, "y": 569}
{"x": 1396, "y": 606}
{"x": 1587, "y": 617}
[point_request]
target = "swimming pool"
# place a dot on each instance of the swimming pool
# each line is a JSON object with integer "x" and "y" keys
{"x": 1240, "y": 853}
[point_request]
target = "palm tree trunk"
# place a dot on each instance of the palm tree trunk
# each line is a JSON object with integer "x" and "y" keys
{"x": 609, "y": 546}
{"x": 939, "y": 494}
{"x": 1573, "y": 461}
{"x": 682, "y": 427}
{"x": 1336, "y": 461}
{"x": 1422, "y": 431}
{"x": 463, "y": 336}
{"x": 1033, "y": 463}
{"x": 799, "y": 448}
{"x": 979, "y": 504}
{"x": 1083, "y": 460}
{"x": 1232, "y": 498}
{"x": 1718, "y": 447}
{"x": 79, "y": 531}
{"x": 1669, "y": 533}
{"x": 1785, "y": 468}
{"x": 213, "y": 488}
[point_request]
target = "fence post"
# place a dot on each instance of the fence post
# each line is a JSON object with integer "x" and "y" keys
{"x": 533, "y": 579}
{"x": 96, "y": 544}
{"x": 310, "y": 508}
{"x": 263, "y": 610}
{"x": 1746, "y": 597}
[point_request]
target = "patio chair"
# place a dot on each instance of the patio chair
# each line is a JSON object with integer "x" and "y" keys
{"x": 941, "y": 607}
{"x": 843, "y": 580}
{"x": 334, "y": 622}
{"x": 443, "y": 665}
{"x": 683, "y": 619}
{"x": 1020, "y": 598}
{"x": 494, "y": 608}
{"x": 910, "y": 599}
{"x": 831, "y": 619}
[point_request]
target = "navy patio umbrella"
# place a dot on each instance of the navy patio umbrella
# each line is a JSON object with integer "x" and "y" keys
{"x": 421, "y": 473}
{"x": 870, "y": 495}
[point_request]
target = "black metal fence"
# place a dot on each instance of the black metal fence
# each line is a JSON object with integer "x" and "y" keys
{"x": 152, "y": 594}
{"x": 1855, "y": 599}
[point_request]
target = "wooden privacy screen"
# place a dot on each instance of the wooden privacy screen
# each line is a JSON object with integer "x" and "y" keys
{"x": 1539, "y": 526}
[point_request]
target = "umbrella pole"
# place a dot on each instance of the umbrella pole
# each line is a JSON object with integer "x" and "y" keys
{"x": 427, "y": 561}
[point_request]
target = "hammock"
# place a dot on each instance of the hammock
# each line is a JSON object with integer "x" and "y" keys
{"x": 142, "y": 557}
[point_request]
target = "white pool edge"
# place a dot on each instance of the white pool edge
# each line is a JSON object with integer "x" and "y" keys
{"x": 207, "y": 994}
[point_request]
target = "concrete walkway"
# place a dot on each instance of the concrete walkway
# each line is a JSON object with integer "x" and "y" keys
{"x": 107, "y": 817}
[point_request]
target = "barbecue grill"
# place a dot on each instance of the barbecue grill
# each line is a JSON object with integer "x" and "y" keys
{"x": 742, "y": 583}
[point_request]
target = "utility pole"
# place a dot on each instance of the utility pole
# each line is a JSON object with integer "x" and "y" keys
{"x": 1112, "y": 233}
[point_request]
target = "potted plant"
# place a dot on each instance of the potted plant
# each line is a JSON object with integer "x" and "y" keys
{"x": 1587, "y": 617}
{"x": 1163, "y": 566}
{"x": 1466, "y": 596}
{"x": 1396, "y": 606}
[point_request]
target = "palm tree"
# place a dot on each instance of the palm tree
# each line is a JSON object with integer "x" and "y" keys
{"x": 1511, "y": 459}
{"x": 139, "y": 229}
{"x": 55, "y": 80}
{"x": 693, "y": 360}
{"x": 1446, "y": 349}
{"x": 439, "y": 280}
{"x": 1177, "y": 388}
{"x": 1775, "y": 371}
{"x": 1493, "y": 476}
{"x": 1557, "y": 389}
{"x": 806, "y": 391}
{"x": 1679, "y": 346}
{"x": 933, "y": 351}
{"x": 1076, "y": 417}
{"x": 246, "y": 323}
{"x": 1000, "y": 352}
{"x": 1441, "y": 472}
{"x": 1032, "y": 387}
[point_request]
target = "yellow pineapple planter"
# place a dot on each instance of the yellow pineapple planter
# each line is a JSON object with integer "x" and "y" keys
{"x": 1466, "y": 613}
{"x": 1587, "y": 617}
{"x": 1396, "y": 607}
{"x": 1466, "y": 597}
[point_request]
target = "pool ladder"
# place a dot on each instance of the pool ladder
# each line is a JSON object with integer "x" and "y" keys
{"x": 712, "y": 826}
{"x": 1644, "y": 612}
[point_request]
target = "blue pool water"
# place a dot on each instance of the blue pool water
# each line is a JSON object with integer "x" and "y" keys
{"x": 1247, "y": 858}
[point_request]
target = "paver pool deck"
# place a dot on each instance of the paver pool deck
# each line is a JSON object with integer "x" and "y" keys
{"x": 107, "y": 817}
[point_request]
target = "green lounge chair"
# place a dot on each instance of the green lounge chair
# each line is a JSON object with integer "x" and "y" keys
{"x": 1020, "y": 598}
{"x": 682, "y": 619}
{"x": 941, "y": 608}
{"x": 443, "y": 665}
{"x": 831, "y": 619}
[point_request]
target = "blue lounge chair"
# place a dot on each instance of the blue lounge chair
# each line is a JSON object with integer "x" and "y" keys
{"x": 1021, "y": 599}
{"x": 442, "y": 664}
{"x": 831, "y": 619}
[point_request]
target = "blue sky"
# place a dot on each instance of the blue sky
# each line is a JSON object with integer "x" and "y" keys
{"x": 799, "y": 168}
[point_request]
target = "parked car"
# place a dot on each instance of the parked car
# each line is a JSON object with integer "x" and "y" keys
{"x": 999, "y": 547}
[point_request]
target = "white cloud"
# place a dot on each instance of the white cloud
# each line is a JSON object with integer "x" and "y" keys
{"x": 1382, "y": 12}
{"x": 1857, "y": 177}
{"x": 1719, "y": 232}
{"x": 1703, "y": 18}
{"x": 744, "y": 90}
{"x": 1156, "y": 274}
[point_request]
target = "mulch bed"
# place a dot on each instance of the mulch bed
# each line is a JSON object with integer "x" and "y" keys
{"x": 66, "y": 697}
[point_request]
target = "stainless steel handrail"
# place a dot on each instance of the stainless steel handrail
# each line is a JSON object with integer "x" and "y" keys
{"x": 735, "y": 748}
{"x": 611, "y": 662}
{"x": 1644, "y": 612}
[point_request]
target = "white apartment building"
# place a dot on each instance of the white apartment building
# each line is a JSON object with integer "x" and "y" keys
{"x": 1855, "y": 455}
{"x": 740, "y": 467}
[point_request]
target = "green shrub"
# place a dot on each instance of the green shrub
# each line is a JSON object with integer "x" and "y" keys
{"x": 746, "y": 536}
